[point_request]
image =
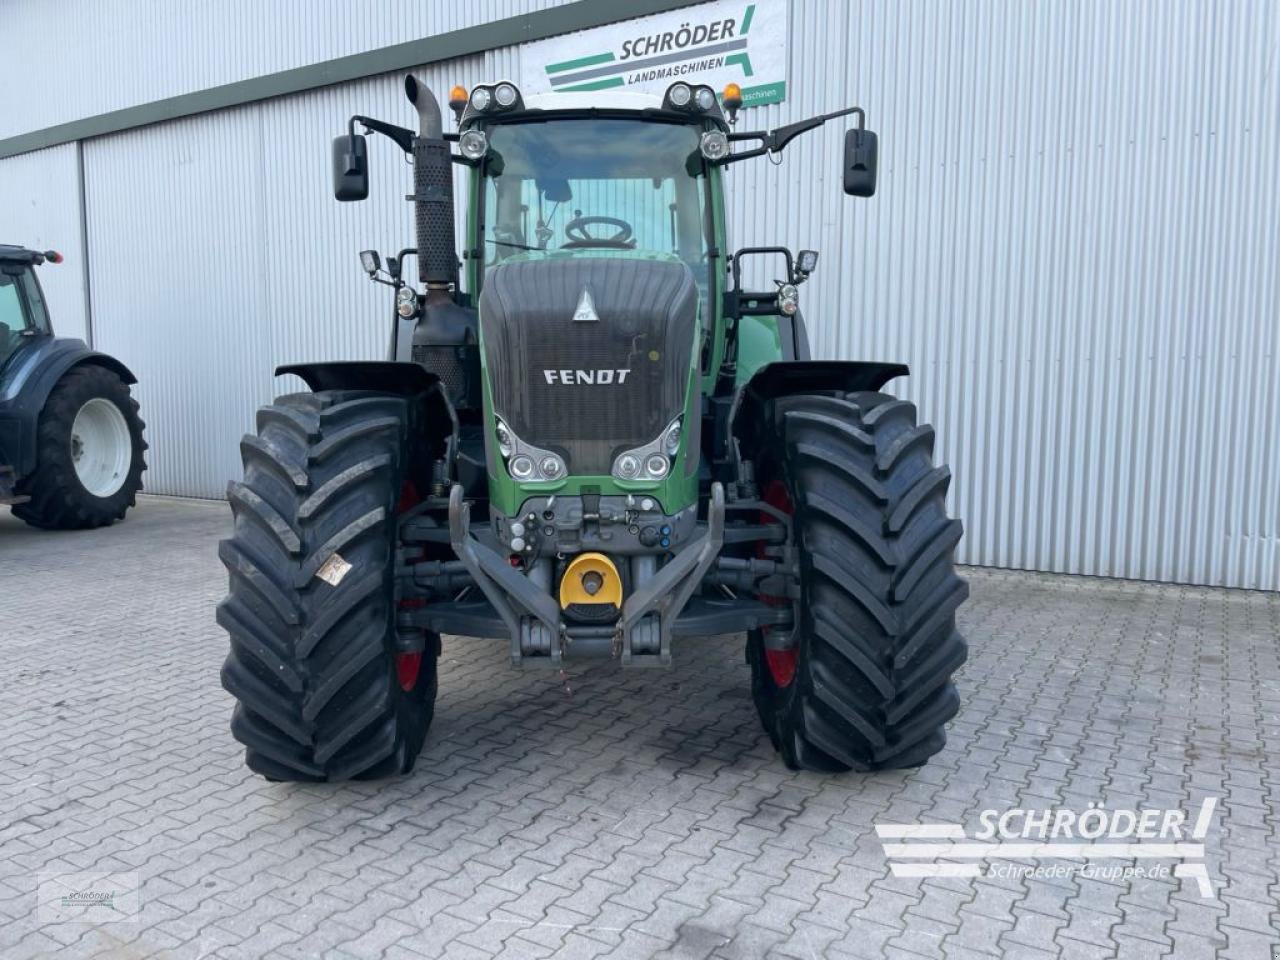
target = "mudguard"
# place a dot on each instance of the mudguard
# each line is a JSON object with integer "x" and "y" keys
{"x": 785, "y": 377}
{"x": 387, "y": 376}
{"x": 25, "y": 384}
{"x": 407, "y": 379}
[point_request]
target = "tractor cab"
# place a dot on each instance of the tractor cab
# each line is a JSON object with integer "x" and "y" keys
{"x": 23, "y": 316}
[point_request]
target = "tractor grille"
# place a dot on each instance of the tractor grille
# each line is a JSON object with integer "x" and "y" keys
{"x": 559, "y": 381}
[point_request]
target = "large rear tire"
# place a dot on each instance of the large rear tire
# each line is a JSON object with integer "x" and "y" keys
{"x": 864, "y": 682}
{"x": 88, "y": 454}
{"x": 322, "y": 692}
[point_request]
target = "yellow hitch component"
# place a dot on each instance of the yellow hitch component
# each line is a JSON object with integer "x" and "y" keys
{"x": 591, "y": 578}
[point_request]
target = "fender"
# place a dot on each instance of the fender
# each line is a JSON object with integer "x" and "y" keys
{"x": 25, "y": 384}
{"x": 385, "y": 376}
{"x": 785, "y": 377}
{"x": 403, "y": 378}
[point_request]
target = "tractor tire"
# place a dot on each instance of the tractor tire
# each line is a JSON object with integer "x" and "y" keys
{"x": 865, "y": 683}
{"x": 89, "y": 450}
{"x": 323, "y": 694}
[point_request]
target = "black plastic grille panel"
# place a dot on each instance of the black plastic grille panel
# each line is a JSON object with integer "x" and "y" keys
{"x": 647, "y": 312}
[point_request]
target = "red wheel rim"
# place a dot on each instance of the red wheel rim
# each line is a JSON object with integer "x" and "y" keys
{"x": 781, "y": 663}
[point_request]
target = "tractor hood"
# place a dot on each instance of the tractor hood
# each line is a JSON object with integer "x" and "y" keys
{"x": 588, "y": 353}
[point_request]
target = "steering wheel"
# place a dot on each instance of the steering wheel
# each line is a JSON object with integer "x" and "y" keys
{"x": 576, "y": 232}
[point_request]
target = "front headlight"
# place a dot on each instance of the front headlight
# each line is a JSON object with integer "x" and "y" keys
{"x": 788, "y": 299}
{"x": 652, "y": 462}
{"x": 671, "y": 439}
{"x": 525, "y": 462}
{"x": 406, "y": 302}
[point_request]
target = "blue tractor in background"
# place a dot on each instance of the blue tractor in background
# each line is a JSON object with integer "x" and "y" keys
{"x": 71, "y": 447}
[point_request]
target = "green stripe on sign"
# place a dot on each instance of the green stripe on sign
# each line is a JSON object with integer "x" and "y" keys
{"x": 765, "y": 93}
{"x": 746, "y": 20}
{"x": 580, "y": 62}
{"x": 740, "y": 58}
{"x": 594, "y": 85}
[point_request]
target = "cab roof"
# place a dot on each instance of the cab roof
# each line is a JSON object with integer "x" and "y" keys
{"x": 11, "y": 253}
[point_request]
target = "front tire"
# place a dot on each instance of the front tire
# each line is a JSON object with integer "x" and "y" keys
{"x": 323, "y": 693}
{"x": 89, "y": 450}
{"x": 864, "y": 683}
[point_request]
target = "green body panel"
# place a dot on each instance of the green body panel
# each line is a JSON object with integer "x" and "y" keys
{"x": 759, "y": 344}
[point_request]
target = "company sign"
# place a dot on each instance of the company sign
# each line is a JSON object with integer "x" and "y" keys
{"x": 713, "y": 43}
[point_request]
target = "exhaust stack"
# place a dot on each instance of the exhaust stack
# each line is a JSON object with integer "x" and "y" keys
{"x": 432, "y": 191}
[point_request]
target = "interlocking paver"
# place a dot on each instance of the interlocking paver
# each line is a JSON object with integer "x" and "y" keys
{"x": 613, "y": 813}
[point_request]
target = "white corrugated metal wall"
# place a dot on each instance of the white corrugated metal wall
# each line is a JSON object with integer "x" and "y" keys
{"x": 1074, "y": 246}
{"x": 86, "y": 57}
{"x": 40, "y": 209}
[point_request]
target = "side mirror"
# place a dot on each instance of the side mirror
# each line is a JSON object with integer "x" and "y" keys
{"x": 370, "y": 262}
{"x": 350, "y": 167}
{"x": 860, "y": 152}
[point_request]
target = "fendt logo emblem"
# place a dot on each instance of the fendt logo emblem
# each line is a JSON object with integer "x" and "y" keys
{"x": 596, "y": 378}
{"x": 586, "y": 312}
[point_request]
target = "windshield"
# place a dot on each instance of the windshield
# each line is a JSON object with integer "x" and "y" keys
{"x": 593, "y": 184}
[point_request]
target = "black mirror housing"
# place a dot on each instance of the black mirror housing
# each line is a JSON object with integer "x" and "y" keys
{"x": 350, "y": 167}
{"x": 861, "y": 151}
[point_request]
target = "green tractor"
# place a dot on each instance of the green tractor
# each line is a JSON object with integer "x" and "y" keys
{"x": 588, "y": 440}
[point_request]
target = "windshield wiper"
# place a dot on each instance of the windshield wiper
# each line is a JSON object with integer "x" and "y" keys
{"x": 511, "y": 243}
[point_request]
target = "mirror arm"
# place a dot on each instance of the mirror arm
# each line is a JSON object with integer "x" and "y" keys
{"x": 402, "y": 136}
{"x": 774, "y": 141}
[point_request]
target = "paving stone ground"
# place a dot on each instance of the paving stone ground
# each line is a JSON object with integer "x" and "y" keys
{"x": 615, "y": 813}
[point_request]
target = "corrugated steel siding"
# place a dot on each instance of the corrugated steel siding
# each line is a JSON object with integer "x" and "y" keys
{"x": 89, "y": 58}
{"x": 40, "y": 209}
{"x": 1074, "y": 246}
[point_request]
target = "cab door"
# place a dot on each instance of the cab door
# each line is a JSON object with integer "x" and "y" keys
{"x": 23, "y": 319}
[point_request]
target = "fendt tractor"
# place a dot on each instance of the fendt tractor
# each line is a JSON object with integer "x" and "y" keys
{"x": 588, "y": 440}
{"x": 71, "y": 447}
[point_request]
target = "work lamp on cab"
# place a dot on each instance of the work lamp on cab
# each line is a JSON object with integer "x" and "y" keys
{"x": 705, "y": 97}
{"x": 505, "y": 94}
{"x": 480, "y": 99}
{"x": 680, "y": 95}
{"x": 473, "y": 144}
{"x": 714, "y": 145}
{"x": 370, "y": 261}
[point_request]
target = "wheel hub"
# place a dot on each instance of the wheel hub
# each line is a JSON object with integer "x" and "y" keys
{"x": 101, "y": 447}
